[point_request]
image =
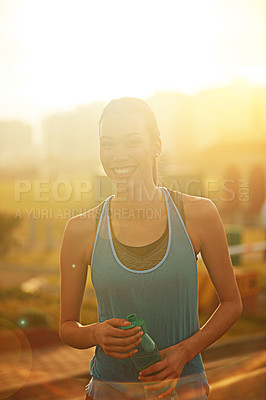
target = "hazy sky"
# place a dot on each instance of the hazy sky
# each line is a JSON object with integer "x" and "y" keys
{"x": 57, "y": 54}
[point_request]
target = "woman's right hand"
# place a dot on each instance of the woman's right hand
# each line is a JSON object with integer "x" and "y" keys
{"x": 116, "y": 342}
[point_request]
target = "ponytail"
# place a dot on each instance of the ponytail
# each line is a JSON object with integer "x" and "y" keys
{"x": 155, "y": 173}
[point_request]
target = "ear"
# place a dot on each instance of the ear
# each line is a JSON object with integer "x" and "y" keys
{"x": 157, "y": 146}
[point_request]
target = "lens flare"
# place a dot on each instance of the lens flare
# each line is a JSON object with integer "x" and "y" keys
{"x": 16, "y": 358}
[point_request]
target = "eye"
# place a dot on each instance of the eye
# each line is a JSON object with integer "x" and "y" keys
{"x": 106, "y": 144}
{"x": 133, "y": 142}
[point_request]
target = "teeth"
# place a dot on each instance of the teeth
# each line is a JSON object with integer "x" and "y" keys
{"x": 124, "y": 170}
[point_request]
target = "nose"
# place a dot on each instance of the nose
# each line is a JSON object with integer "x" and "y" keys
{"x": 120, "y": 154}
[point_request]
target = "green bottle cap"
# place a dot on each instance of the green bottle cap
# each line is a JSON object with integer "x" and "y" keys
{"x": 134, "y": 321}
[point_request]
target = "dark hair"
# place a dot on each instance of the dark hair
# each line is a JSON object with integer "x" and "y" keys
{"x": 134, "y": 105}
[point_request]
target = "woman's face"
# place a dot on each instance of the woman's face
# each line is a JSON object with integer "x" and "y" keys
{"x": 126, "y": 150}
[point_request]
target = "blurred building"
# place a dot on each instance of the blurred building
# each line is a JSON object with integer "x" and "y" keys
{"x": 175, "y": 116}
{"x": 235, "y": 179}
{"x": 73, "y": 135}
{"x": 235, "y": 113}
{"x": 15, "y": 142}
{"x": 230, "y": 127}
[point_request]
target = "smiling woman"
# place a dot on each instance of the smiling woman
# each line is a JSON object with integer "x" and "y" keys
{"x": 146, "y": 266}
{"x": 136, "y": 117}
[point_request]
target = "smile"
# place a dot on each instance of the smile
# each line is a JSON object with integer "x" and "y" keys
{"x": 123, "y": 171}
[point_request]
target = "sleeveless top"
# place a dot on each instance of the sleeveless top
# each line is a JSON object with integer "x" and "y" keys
{"x": 144, "y": 257}
{"x": 164, "y": 294}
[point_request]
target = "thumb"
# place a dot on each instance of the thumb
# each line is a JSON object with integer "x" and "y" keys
{"x": 119, "y": 322}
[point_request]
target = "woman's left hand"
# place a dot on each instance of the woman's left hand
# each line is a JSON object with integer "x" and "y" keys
{"x": 167, "y": 371}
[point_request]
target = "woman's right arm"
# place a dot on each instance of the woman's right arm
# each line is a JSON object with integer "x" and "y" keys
{"x": 75, "y": 255}
{"x": 74, "y": 266}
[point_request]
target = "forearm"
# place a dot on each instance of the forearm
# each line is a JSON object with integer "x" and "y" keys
{"x": 79, "y": 336}
{"x": 225, "y": 315}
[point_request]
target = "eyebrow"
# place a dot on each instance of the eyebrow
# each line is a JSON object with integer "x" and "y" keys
{"x": 130, "y": 134}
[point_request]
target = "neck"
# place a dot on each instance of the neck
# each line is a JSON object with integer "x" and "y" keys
{"x": 136, "y": 194}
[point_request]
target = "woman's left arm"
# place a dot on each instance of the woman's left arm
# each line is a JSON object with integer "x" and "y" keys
{"x": 215, "y": 254}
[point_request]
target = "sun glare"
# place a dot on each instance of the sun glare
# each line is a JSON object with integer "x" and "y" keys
{"x": 69, "y": 53}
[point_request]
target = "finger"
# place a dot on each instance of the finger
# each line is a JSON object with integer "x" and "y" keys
{"x": 153, "y": 368}
{"x": 162, "y": 375}
{"x": 168, "y": 391}
{"x": 126, "y": 341}
{"x": 116, "y": 322}
{"x": 119, "y": 344}
{"x": 117, "y": 332}
{"x": 122, "y": 346}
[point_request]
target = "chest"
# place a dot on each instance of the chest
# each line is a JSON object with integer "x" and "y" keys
{"x": 144, "y": 232}
{"x": 139, "y": 233}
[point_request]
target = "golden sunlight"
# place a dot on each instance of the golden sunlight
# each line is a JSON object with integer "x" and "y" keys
{"x": 64, "y": 54}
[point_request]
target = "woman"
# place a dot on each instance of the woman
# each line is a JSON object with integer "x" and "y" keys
{"x": 144, "y": 263}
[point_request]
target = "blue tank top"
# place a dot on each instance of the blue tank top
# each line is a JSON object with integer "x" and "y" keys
{"x": 165, "y": 296}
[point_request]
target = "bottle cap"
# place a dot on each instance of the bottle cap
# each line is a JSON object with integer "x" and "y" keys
{"x": 134, "y": 321}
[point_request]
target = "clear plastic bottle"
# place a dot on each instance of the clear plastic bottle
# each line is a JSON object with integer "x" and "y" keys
{"x": 147, "y": 355}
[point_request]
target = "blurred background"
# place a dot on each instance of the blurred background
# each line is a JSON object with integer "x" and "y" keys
{"x": 202, "y": 68}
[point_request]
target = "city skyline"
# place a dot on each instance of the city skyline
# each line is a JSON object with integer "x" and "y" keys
{"x": 188, "y": 124}
{"x": 56, "y": 56}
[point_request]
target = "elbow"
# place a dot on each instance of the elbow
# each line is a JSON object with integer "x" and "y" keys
{"x": 62, "y": 335}
{"x": 239, "y": 308}
{"x": 60, "y": 330}
{"x": 63, "y": 339}
{"x": 236, "y": 308}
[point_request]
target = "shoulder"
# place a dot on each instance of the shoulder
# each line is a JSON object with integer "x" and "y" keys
{"x": 82, "y": 223}
{"x": 85, "y": 222}
{"x": 80, "y": 231}
{"x": 202, "y": 214}
{"x": 198, "y": 207}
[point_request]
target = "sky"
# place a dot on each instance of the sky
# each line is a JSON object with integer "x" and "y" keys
{"x": 59, "y": 54}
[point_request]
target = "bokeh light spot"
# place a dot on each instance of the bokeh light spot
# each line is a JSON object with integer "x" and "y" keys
{"x": 16, "y": 358}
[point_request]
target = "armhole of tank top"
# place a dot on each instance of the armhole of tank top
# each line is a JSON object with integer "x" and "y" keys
{"x": 178, "y": 200}
{"x": 98, "y": 214}
{"x": 181, "y": 207}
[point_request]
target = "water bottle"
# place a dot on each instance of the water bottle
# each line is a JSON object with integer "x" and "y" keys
{"x": 147, "y": 355}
